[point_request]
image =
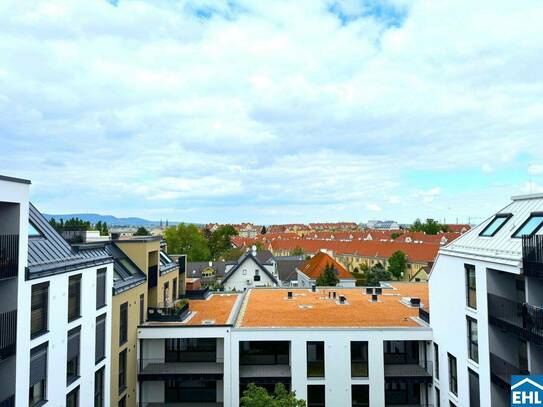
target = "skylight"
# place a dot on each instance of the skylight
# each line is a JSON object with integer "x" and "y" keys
{"x": 32, "y": 231}
{"x": 531, "y": 226}
{"x": 497, "y": 223}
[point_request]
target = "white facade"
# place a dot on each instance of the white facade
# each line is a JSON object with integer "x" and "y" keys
{"x": 244, "y": 276}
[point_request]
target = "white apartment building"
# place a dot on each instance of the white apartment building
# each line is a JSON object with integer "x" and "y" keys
{"x": 336, "y": 347}
{"x": 63, "y": 308}
{"x": 486, "y": 297}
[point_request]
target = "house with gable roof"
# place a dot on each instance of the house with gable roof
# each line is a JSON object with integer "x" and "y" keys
{"x": 311, "y": 269}
{"x": 250, "y": 271}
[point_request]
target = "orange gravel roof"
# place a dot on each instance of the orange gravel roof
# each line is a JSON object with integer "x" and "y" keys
{"x": 216, "y": 308}
{"x": 270, "y": 308}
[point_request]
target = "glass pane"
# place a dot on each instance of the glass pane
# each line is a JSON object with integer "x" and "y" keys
{"x": 494, "y": 225}
{"x": 530, "y": 226}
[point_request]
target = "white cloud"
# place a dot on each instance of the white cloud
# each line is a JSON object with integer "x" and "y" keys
{"x": 374, "y": 207}
{"x": 487, "y": 168}
{"x": 535, "y": 169}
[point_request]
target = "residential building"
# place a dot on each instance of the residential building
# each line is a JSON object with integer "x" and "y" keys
{"x": 251, "y": 271}
{"x": 492, "y": 278}
{"x": 343, "y": 347}
{"x": 310, "y": 271}
{"x": 334, "y": 226}
{"x": 383, "y": 225}
{"x": 458, "y": 227}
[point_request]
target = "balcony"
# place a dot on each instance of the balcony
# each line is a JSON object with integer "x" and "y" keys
{"x": 9, "y": 256}
{"x": 420, "y": 372}
{"x": 159, "y": 369}
{"x": 168, "y": 313}
{"x": 424, "y": 315}
{"x": 532, "y": 255}
{"x": 8, "y": 334}
{"x": 501, "y": 372}
{"x": 177, "y": 404}
{"x": 521, "y": 319}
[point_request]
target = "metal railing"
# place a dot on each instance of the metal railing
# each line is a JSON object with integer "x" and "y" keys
{"x": 168, "y": 313}
{"x": 193, "y": 363}
{"x": 8, "y": 333}
{"x": 9, "y": 256}
{"x": 501, "y": 371}
{"x": 522, "y": 319}
{"x": 410, "y": 370}
{"x": 196, "y": 294}
{"x": 532, "y": 255}
{"x": 424, "y": 315}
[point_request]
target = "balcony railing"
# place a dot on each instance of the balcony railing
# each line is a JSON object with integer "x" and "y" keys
{"x": 501, "y": 371}
{"x": 9, "y": 402}
{"x": 522, "y": 319}
{"x": 9, "y": 256}
{"x": 424, "y": 315}
{"x": 532, "y": 255}
{"x": 419, "y": 372}
{"x": 8, "y": 334}
{"x": 171, "y": 313}
{"x": 196, "y": 368}
{"x": 197, "y": 294}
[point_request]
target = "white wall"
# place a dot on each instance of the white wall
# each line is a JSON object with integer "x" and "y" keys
{"x": 238, "y": 281}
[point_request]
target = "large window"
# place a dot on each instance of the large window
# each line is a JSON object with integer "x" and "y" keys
{"x": 74, "y": 297}
{"x": 471, "y": 286}
{"x": 191, "y": 350}
{"x": 38, "y": 375}
{"x": 123, "y": 323}
{"x": 474, "y": 397}
{"x": 99, "y": 388}
{"x": 190, "y": 391}
{"x": 100, "y": 340}
{"x": 166, "y": 294}
{"x": 38, "y": 309}
{"x": 359, "y": 359}
{"x": 122, "y": 402}
{"x": 315, "y": 359}
{"x": 473, "y": 343}
{"x": 453, "y": 375}
{"x": 101, "y": 288}
{"x": 316, "y": 395}
{"x": 142, "y": 308}
{"x": 438, "y": 397}
{"x": 72, "y": 398}
{"x": 495, "y": 225}
{"x": 531, "y": 226}
{"x": 360, "y": 395}
{"x": 436, "y": 360}
{"x": 72, "y": 356}
{"x": 122, "y": 371}
{"x": 174, "y": 289}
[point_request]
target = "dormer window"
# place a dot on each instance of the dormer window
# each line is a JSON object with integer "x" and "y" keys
{"x": 496, "y": 224}
{"x": 531, "y": 226}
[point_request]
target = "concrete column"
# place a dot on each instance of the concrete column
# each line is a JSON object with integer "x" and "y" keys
{"x": 298, "y": 367}
{"x": 376, "y": 362}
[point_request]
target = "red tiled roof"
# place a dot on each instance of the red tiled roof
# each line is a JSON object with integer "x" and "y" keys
{"x": 314, "y": 267}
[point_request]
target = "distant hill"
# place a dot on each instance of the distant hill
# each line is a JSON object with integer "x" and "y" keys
{"x": 110, "y": 220}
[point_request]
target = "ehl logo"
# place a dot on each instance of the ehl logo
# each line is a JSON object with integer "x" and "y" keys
{"x": 527, "y": 391}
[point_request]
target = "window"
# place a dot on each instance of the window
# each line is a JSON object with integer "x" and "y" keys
{"x": 99, "y": 388}
{"x": 38, "y": 375}
{"x": 360, "y": 395}
{"x": 100, "y": 340}
{"x": 72, "y": 399}
{"x": 453, "y": 378}
{"x": 359, "y": 359}
{"x": 244, "y": 272}
{"x": 473, "y": 343}
{"x": 166, "y": 293}
{"x": 191, "y": 350}
{"x": 101, "y": 288}
{"x": 315, "y": 395}
{"x": 123, "y": 323}
{"x": 142, "y": 308}
{"x": 39, "y": 309}
{"x": 530, "y": 226}
{"x": 315, "y": 359}
{"x": 33, "y": 231}
{"x": 471, "y": 286}
{"x": 496, "y": 224}
{"x": 72, "y": 355}
{"x": 438, "y": 397}
{"x": 192, "y": 392}
{"x": 474, "y": 397}
{"x": 122, "y": 402}
{"x": 74, "y": 297}
{"x": 174, "y": 289}
{"x": 122, "y": 371}
{"x": 436, "y": 359}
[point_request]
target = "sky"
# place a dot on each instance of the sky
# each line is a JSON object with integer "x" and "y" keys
{"x": 273, "y": 111}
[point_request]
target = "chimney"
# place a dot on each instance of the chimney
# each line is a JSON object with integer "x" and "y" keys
{"x": 378, "y": 290}
{"x": 415, "y": 302}
{"x": 334, "y": 295}
{"x": 342, "y": 299}
{"x": 210, "y": 264}
{"x": 289, "y": 295}
{"x": 313, "y": 288}
{"x": 374, "y": 298}
{"x": 369, "y": 291}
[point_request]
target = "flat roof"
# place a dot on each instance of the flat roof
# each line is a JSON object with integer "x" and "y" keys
{"x": 270, "y": 308}
{"x": 13, "y": 179}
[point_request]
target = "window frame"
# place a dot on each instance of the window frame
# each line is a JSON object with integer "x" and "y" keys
{"x": 99, "y": 377}
{"x": 436, "y": 361}
{"x": 101, "y": 340}
{"x": 359, "y": 386}
{"x": 308, "y": 361}
{"x": 76, "y": 358}
{"x": 453, "y": 379}
{"x": 122, "y": 372}
{"x": 75, "y": 393}
{"x": 101, "y": 272}
{"x": 362, "y": 360}
{"x": 142, "y": 308}
{"x": 471, "y": 341}
{"x": 44, "y": 306}
{"x": 123, "y": 323}
{"x": 318, "y": 404}
{"x": 34, "y": 352}
{"x": 532, "y": 215}
{"x": 74, "y": 283}
{"x": 467, "y": 269}
{"x": 505, "y": 216}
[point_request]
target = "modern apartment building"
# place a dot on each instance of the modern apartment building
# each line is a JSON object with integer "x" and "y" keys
{"x": 53, "y": 306}
{"x": 486, "y": 297}
{"x": 334, "y": 347}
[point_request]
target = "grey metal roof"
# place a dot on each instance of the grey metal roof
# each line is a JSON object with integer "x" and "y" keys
{"x": 263, "y": 256}
{"x": 286, "y": 267}
{"x": 500, "y": 246}
{"x": 50, "y": 254}
{"x": 195, "y": 268}
{"x": 166, "y": 263}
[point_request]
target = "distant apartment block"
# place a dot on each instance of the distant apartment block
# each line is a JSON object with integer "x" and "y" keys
{"x": 383, "y": 225}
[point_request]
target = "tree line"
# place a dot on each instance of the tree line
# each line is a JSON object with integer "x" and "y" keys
{"x": 78, "y": 224}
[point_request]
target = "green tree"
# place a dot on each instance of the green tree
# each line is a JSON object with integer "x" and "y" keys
{"x": 221, "y": 240}
{"x": 297, "y": 251}
{"x": 142, "y": 232}
{"x": 430, "y": 227}
{"x": 328, "y": 277}
{"x": 376, "y": 274}
{"x": 397, "y": 263}
{"x": 102, "y": 228}
{"x": 395, "y": 235}
{"x": 263, "y": 231}
{"x": 256, "y": 396}
{"x": 189, "y": 240}
{"x": 231, "y": 254}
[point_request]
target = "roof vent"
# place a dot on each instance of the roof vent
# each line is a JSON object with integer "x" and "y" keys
{"x": 289, "y": 295}
{"x": 313, "y": 288}
{"x": 208, "y": 322}
{"x": 334, "y": 295}
{"x": 369, "y": 291}
{"x": 415, "y": 302}
{"x": 374, "y": 298}
{"x": 378, "y": 290}
{"x": 342, "y": 299}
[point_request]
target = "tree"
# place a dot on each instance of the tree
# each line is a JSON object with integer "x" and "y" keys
{"x": 430, "y": 227}
{"x": 221, "y": 240}
{"x": 376, "y": 274}
{"x": 263, "y": 231}
{"x": 328, "y": 277}
{"x": 397, "y": 263}
{"x": 256, "y": 396}
{"x": 297, "y": 251}
{"x": 231, "y": 254}
{"x": 189, "y": 240}
{"x": 142, "y": 232}
{"x": 395, "y": 235}
{"x": 102, "y": 228}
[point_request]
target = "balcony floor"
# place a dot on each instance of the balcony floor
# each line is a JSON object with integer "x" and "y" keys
{"x": 183, "y": 368}
{"x": 264, "y": 371}
{"x": 406, "y": 371}
{"x": 182, "y": 404}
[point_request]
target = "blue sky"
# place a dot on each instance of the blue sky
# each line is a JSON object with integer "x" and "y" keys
{"x": 273, "y": 111}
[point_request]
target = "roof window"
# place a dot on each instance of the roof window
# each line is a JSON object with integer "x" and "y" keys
{"x": 496, "y": 224}
{"x": 531, "y": 225}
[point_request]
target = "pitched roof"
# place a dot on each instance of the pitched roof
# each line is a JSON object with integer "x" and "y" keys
{"x": 314, "y": 267}
{"x": 286, "y": 267}
{"x": 242, "y": 260}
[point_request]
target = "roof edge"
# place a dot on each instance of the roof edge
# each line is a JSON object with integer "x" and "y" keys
{"x": 13, "y": 179}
